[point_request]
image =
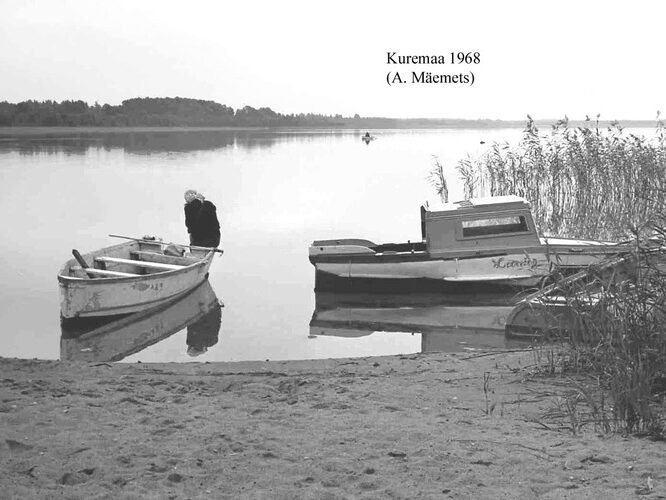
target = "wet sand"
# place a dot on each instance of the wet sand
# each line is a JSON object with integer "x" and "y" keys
{"x": 418, "y": 426}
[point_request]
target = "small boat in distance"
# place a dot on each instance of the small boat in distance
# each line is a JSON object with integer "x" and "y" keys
{"x": 367, "y": 137}
{"x": 129, "y": 277}
{"x": 481, "y": 244}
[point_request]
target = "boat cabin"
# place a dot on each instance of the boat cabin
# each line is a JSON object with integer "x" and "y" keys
{"x": 499, "y": 222}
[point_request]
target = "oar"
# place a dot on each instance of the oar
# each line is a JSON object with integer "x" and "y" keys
{"x": 81, "y": 261}
{"x": 141, "y": 240}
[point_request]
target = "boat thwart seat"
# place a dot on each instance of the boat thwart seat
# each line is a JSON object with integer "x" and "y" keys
{"x": 103, "y": 272}
{"x": 140, "y": 263}
{"x": 160, "y": 257}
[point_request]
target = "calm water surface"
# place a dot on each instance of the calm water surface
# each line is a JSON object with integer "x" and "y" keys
{"x": 275, "y": 193}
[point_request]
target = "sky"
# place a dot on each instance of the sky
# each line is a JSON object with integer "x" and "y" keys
{"x": 546, "y": 59}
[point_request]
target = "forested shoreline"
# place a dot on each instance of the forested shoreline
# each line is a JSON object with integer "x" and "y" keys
{"x": 152, "y": 112}
{"x": 185, "y": 112}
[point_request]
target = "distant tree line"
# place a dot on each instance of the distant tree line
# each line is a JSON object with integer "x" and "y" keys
{"x": 183, "y": 112}
{"x": 153, "y": 112}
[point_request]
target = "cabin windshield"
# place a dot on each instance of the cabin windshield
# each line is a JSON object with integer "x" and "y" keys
{"x": 491, "y": 226}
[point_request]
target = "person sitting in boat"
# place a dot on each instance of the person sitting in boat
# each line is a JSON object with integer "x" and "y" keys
{"x": 201, "y": 220}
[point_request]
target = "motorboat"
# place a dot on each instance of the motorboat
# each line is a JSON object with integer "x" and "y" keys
{"x": 481, "y": 243}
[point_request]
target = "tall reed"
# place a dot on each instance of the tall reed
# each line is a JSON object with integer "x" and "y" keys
{"x": 438, "y": 180}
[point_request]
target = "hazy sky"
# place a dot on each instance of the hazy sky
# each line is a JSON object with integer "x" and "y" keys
{"x": 546, "y": 59}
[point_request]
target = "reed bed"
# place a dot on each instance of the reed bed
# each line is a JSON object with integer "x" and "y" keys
{"x": 613, "y": 341}
{"x": 581, "y": 182}
{"x": 587, "y": 183}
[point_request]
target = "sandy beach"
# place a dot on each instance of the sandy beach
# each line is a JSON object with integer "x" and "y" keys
{"x": 465, "y": 425}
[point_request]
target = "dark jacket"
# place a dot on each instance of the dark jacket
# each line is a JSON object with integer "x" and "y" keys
{"x": 202, "y": 224}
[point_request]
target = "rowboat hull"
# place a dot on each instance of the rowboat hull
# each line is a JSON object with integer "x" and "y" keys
{"x": 83, "y": 296}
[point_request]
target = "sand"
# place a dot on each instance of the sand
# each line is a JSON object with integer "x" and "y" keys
{"x": 416, "y": 426}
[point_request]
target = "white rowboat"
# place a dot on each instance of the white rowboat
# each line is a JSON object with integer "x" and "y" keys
{"x": 129, "y": 277}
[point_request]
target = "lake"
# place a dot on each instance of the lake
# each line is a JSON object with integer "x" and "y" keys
{"x": 275, "y": 191}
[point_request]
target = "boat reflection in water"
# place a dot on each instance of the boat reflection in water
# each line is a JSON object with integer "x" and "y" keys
{"x": 113, "y": 339}
{"x": 444, "y": 325}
